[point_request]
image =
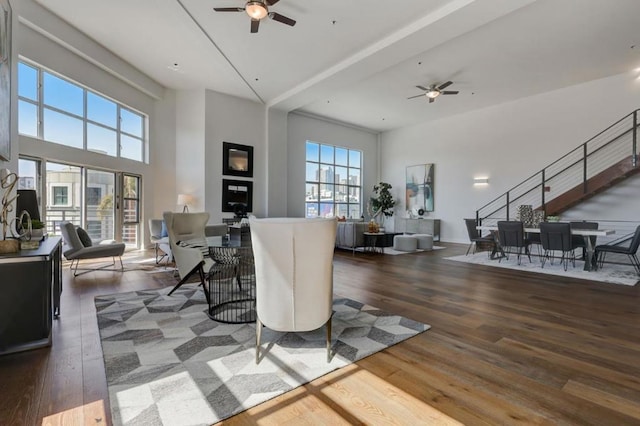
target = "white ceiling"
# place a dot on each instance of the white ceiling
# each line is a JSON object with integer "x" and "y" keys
{"x": 361, "y": 68}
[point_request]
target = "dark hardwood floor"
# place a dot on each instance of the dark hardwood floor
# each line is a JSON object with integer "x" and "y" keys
{"x": 505, "y": 347}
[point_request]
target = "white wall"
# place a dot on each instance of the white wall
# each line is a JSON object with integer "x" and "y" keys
{"x": 277, "y": 156}
{"x": 235, "y": 120}
{"x": 162, "y": 158}
{"x": 81, "y": 59}
{"x": 507, "y": 143}
{"x": 190, "y": 147}
{"x": 304, "y": 128}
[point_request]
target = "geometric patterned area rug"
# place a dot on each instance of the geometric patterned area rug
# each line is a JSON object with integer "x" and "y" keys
{"x": 610, "y": 273}
{"x": 168, "y": 363}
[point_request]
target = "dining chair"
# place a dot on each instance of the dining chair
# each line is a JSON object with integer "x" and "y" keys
{"x": 511, "y": 237}
{"x": 475, "y": 237}
{"x": 294, "y": 275}
{"x": 630, "y": 251}
{"x": 189, "y": 246}
{"x": 578, "y": 241}
{"x": 556, "y": 236}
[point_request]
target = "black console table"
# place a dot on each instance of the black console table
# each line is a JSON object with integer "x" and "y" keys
{"x": 30, "y": 289}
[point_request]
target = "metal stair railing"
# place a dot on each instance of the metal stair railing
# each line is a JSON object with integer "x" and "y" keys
{"x": 604, "y": 150}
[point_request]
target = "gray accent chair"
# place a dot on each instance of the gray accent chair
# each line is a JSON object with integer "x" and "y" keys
{"x": 75, "y": 249}
{"x": 160, "y": 242}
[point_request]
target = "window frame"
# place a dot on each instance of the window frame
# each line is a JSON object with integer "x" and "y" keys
{"x": 323, "y": 183}
{"x": 41, "y": 106}
{"x": 52, "y": 194}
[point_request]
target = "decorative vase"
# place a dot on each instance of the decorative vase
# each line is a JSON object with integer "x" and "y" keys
{"x": 37, "y": 234}
{"x": 374, "y": 228}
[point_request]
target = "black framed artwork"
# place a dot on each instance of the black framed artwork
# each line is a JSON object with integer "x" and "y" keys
{"x": 237, "y": 192}
{"x": 237, "y": 160}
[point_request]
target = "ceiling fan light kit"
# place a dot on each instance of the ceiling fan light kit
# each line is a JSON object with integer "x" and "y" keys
{"x": 433, "y": 91}
{"x": 258, "y": 10}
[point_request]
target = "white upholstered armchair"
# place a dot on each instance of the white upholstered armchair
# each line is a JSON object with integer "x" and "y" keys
{"x": 294, "y": 274}
{"x": 189, "y": 246}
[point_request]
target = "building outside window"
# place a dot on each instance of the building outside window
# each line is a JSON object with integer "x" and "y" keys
{"x": 60, "y": 196}
{"x": 333, "y": 181}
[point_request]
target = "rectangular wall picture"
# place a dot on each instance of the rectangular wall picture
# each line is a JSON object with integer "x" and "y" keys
{"x": 237, "y": 160}
{"x": 419, "y": 189}
{"x": 237, "y": 196}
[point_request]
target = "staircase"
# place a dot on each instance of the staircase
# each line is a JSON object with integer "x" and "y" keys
{"x": 601, "y": 162}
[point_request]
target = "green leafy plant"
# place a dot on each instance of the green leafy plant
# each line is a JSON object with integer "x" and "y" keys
{"x": 382, "y": 202}
{"x": 36, "y": 224}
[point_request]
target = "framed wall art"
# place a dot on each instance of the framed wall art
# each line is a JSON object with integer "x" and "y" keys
{"x": 5, "y": 80}
{"x": 237, "y": 160}
{"x": 419, "y": 188}
{"x": 236, "y": 192}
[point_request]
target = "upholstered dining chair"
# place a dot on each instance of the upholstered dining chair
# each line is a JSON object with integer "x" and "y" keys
{"x": 512, "y": 238}
{"x": 556, "y": 236}
{"x": 294, "y": 275}
{"x": 475, "y": 237}
{"x": 631, "y": 251}
{"x": 189, "y": 246}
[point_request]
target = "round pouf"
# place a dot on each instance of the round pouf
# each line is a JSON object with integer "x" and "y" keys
{"x": 425, "y": 241}
{"x": 405, "y": 243}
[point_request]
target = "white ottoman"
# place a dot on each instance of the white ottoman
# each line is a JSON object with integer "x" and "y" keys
{"x": 405, "y": 243}
{"x": 425, "y": 241}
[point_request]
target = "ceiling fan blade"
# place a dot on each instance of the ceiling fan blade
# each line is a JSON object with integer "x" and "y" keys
{"x": 449, "y": 92}
{"x": 432, "y": 100}
{"x": 422, "y": 88}
{"x": 443, "y": 85}
{"x": 228, "y": 9}
{"x": 271, "y": 2}
{"x": 255, "y": 23}
{"x": 416, "y": 96}
{"x": 281, "y": 18}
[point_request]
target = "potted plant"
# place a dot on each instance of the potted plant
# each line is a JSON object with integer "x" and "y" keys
{"x": 382, "y": 203}
{"x": 37, "y": 229}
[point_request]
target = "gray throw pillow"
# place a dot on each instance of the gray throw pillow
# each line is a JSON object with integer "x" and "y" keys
{"x": 84, "y": 237}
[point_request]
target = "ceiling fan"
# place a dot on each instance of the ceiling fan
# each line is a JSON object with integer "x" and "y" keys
{"x": 258, "y": 10}
{"x": 433, "y": 91}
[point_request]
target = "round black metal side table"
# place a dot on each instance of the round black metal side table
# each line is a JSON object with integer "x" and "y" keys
{"x": 232, "y": 284}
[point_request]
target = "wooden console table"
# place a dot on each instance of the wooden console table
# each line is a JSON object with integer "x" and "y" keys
{"x": 30, "y": 289}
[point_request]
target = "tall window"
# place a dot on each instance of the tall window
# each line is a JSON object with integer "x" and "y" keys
{"x": 55, "y": 109}
{"x": 333, "y": 181}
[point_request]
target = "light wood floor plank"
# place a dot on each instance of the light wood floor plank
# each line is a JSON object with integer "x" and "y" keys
{"x": 506, "y": 347}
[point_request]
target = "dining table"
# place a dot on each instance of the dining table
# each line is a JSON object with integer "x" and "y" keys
{"x": 590, "y": 261}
